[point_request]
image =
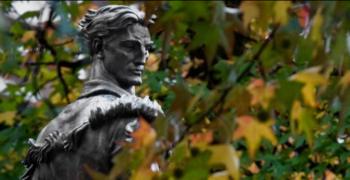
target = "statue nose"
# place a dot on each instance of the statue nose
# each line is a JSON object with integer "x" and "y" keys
{"x": 145, "y": 54}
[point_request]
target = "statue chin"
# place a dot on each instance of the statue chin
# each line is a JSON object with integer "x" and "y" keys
{"x": 136, "y": 81}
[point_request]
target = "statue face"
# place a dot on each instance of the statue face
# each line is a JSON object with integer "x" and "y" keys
{"x": 125, "y": 54}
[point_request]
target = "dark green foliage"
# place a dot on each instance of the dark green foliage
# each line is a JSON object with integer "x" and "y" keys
{"x": 277, "y": 69}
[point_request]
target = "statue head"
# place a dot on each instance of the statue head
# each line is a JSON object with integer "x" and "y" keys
{"x": 118, "y": 42}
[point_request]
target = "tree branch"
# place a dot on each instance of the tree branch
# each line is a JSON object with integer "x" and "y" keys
{"x": 63, "y": 63}
{"x": 226, "y": 90}
{"x": 42, "y": 40}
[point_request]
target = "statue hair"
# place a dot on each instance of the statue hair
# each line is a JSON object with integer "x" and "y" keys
{"x": 97, "y": 24}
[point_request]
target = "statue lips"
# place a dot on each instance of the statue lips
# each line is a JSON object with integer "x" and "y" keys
{"x": 137, "y": 71}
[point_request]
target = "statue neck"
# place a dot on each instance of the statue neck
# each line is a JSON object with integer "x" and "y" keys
{"x": 98, "y": 71}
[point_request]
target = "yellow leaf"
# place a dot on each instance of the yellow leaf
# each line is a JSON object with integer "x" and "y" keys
{"x": 8, "y": 117}
{"x": 225, "y": 154}
{"x": 144, "y": 136}
{"x": 304, "y": 119}
{"x": 143, "y": 173}
{"x": 57, "y": 99}
{"x": 281, "y": 11}
{"x": 316, "y": 33}
{"x": 310, "y": 76}
{"x": 250, "y": 11}
{"x": 296, "y": 109}
{"x": 74, "y": 94}
{"x": 311, "y": 79}
{"x": 345, "y": 81}
{"x": 309, "y": 93}
{"x": 253, "y": 131}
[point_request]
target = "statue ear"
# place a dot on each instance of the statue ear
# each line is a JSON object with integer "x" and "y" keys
{"x": 96, "y": 46}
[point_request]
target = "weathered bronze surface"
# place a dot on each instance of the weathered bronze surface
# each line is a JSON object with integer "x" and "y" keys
{"x": 89, "y": 131}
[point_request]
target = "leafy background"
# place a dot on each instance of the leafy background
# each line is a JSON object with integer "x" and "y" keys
{"x": 251, "y": 90}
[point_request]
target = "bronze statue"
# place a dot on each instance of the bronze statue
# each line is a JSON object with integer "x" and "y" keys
{"x": 89, "y": 131}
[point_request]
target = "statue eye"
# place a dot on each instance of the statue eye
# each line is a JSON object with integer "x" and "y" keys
{"x": 130, "y": 45}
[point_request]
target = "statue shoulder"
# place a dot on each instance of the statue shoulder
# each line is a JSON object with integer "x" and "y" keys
{"x": 124, "y": 106}
{"x": 98, "y": 110}
{"x": 74, "y": 115}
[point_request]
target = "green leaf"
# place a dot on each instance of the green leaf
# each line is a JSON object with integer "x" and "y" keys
{"x": 30, "y": 14}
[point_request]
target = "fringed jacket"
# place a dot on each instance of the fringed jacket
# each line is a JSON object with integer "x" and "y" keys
{"x": 87, "y": 133}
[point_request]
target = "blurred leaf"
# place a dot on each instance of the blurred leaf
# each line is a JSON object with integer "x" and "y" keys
{"x": 345, "y": 81}
{"x": 143, "y": 173}
{"x": 30, "y": 14}
{"x": 95, "y": 175}
{"x": 261, "y": 93}
{"x": 304, "y": 120}
{"x": 247, "y": 128}
{"x": 28, "y": 35}
{"x": 187, "y": 73}
{"x": 197, "y": 166}
{"x": 207, "y": 35}
{"x": 180, "y": 152}
{"x": 7, "y": 117}
{"x": 201, "y": 139}
{"x": 250, "y": 11}
{"x": 286, "y": 93}
{"x": 17, "y": 28}
{"x": 225, "y": 154}
{"x": 183, "y": 98}
{"x": 144, "y": 136}
{"x": 238, "y": 98}
{"x": 311, "y": 79}
{"x": 316, "y": 31}
{"x": 281, "y": 11}
{"x": 152, "y": 63}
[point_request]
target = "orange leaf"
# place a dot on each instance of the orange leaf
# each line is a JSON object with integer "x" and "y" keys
{"x": 329, "y": 175}
{"x": 253, "y": 168}
{"x": 144, "y": 136}
{"x": 253, "y": 131}
{"x": 28, "y": 35}
{"x": 261, "y": 93}
{"x": 303, "y": 14}
{"x": 199, "y": 139}
{"x": 152, "y": 63}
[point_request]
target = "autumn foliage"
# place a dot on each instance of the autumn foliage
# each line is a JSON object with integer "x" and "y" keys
{"x": 251, "y": 89}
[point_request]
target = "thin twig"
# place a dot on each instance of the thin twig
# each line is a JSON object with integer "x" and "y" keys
{"x": 36, "y": 91}
{"x": 256, "y": 57}
{"x": 64, "y": 84}
{"x": 42, "y": 40}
